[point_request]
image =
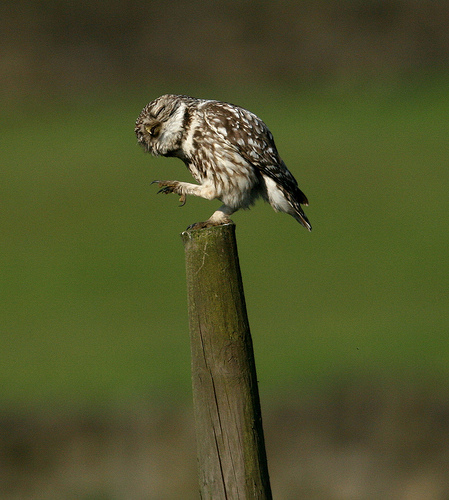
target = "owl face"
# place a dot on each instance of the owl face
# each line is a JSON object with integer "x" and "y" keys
{"x": 148, "y": 131}
{"x": 159, "y": 126}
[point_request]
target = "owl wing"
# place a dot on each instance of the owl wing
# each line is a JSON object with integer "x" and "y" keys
{"x": 250, "y": 138}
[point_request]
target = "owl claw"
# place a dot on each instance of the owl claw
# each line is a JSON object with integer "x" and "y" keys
{"x": 168, "y": 187}
{"x": 209, "y": 223}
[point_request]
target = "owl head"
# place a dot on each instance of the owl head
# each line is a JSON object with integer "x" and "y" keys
{"x": 159, "y": 127}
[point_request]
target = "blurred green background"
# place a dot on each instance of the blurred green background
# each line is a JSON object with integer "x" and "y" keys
{"x": 349, "y": 322}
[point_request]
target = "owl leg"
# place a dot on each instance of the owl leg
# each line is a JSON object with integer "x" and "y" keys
{"x": 206, "y": 191}
{"x": 221, "y": 216}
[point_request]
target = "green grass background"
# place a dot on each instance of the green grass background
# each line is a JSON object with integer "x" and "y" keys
{"x": 93, "y": 301}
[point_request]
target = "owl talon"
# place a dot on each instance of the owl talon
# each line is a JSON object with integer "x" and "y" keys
{"x": 209, "y": 223}
{"x": 167, "y": 186}
{"x": 166, "y": 190}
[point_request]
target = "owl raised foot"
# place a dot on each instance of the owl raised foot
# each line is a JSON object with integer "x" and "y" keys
{"x": 171, "y": 187}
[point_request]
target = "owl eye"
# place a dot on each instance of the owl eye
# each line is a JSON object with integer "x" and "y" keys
{"x": 153, "y": 130}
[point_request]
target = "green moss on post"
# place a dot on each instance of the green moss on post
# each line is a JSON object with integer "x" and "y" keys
{"x": 231, "y": 449}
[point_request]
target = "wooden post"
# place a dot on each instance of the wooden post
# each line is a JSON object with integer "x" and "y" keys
{"x": 231, "y": 449}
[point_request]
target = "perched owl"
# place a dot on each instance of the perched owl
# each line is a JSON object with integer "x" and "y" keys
{"x": 228, "y": 150}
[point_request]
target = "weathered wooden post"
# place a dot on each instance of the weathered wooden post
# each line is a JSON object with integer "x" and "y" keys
{"x": 231, "y": 449}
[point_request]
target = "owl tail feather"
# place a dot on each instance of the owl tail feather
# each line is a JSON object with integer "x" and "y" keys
{"x": 300, "y": 197}
{"x": 297, "y": 212}
{"x": 301, "y": 217}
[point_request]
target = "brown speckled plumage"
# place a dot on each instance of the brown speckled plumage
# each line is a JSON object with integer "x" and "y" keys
{"x": 229, "y": 151}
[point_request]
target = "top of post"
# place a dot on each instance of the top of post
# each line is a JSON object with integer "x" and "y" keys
{"x": 213, "y": 233}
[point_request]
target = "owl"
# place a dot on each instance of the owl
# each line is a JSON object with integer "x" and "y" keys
{"x": 228, "y": 150}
